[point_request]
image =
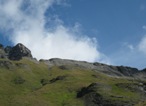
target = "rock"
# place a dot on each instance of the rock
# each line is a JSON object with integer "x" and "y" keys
{"x": 92, "y": 97}
{"x": 57, "y": 78}
{"x": 44, "y": 82}
{"x": 5, "y": 64}
{"x": 134, "y": 87}
{"x": 63, "y": 67}
{"x": 2, "y": 54}
{"x": 113, "y": 71}
{"x": 7, "y": 49}
{"x": 144, "y": 70}
{"x": 18, "y": 80}
{"x": 71, "y": 63}
{"x": 19, "y": 51}
{"x": 127, "y": 71}
{"x": 86, "y": 90}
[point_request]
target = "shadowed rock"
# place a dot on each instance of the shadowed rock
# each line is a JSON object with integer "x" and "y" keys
{"x": 92, "y": 97}
{"x": 57, "y": 79}
{"x": 8, "y": 49}
{"x": 5, "y": 64}
{"x": 19, "y": 51}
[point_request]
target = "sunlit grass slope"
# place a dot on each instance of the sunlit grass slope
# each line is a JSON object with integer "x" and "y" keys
{"x": 30, "y": 83}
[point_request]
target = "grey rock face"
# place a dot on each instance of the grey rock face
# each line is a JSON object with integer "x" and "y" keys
{"x": 8, "y": 49}
{"x": 93, "y": 97}
{"x": 6, "y": 64}
{"x": 2, "y": 52}
{"x": 116, "y": 71}
{"x": 66, "y": 62}
{"x": 128, "y": 71}
{"x": 19, "y": 51}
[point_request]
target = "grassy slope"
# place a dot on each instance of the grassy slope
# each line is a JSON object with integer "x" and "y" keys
{"x": 59, "y": 93}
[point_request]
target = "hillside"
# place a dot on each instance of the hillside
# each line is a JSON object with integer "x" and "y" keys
{"x": 59, "y": 82}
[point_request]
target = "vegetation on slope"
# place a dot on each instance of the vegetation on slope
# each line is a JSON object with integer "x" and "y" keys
{"x": 31, "y": 83}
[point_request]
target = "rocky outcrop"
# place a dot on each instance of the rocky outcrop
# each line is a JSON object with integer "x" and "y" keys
{"x": 128, "y": 71}
{"x": 46, "y": 81}
{"x": 19, "y": 51}
{"x": 7, "y": 49}
{"x": 92, "y": 96}
{"x": 57, "y": 79}
{"x": 14, "y": 53}
{"x": 6, "y": 64}
{"x": 117, "y": 71}
{"x": 134, "y": 87}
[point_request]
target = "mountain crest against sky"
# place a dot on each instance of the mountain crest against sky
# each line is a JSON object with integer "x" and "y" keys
{"x": 19, "y": 51}
{"x": 112, "y": 32}
{"x": 16, "y": 52}
{"x": 85, "y": 51}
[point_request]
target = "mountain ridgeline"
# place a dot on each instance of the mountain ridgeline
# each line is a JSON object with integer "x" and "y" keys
{"x": 19, "y": 51}
{"x": 61, "y": 82}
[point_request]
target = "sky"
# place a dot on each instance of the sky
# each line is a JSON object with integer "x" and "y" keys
{"x": 107, "y": 31}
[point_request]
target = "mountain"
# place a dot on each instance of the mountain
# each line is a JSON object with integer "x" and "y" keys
{"x": 60, "y": 82}
{"x": 15, "y": 53}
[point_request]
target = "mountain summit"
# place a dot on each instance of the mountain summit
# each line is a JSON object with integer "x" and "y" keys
{"x": 16, "y": 52}
{"x": 19, "y": 51}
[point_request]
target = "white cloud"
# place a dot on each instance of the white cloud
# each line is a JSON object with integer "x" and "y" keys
{"x": 27, "y": 21}
{"x": 142, "y": 45}
{"x": 59, "y": 43}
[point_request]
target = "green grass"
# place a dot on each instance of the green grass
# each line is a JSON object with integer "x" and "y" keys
{"x": 60, "y": 93}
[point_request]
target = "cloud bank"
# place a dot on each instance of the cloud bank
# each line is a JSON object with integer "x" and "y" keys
{"x": 25, "y": 22}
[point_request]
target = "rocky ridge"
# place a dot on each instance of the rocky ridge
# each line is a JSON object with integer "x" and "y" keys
{"x": 19, "y": 51}
{"x": 116, "y": 71}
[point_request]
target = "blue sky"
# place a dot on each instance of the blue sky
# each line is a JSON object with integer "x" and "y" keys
{"x": 109, "y": 31}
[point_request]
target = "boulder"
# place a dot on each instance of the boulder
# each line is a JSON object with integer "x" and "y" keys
{"x": 19, "y": 51}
